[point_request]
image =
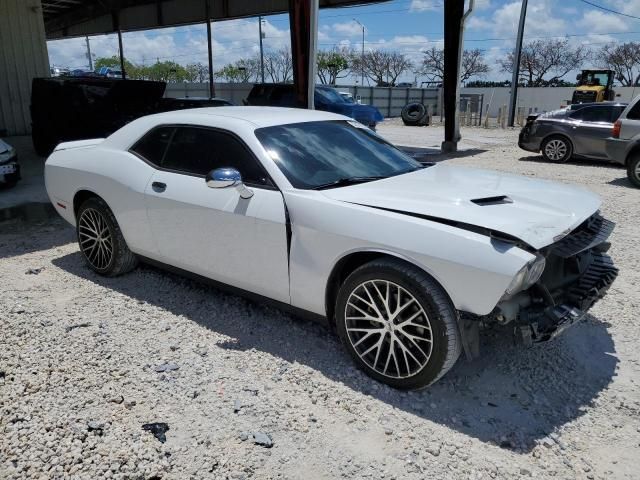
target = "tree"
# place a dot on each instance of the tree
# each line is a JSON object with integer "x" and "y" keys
{"x": 381, "y": 67}
{"x": 241, "y": 71}
{"x": 113, "y": 62}
{"x": 473, "y": 64}
{"x": 167, "y": 71}
{"x": 333, "y": 64}
{"x": 196, "y": 72}
{"x": 279, "y": 65}
{"x": 544, "y": 62}
{"x": 624, "y": 60}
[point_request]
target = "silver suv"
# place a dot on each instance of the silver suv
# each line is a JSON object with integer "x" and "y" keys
{"x": 624, "y": 144}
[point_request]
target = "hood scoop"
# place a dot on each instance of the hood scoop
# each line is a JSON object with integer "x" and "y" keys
{"x": 499, "y": 200}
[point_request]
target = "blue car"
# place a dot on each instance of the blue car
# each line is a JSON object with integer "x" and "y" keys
{"x": 326, "y": 99}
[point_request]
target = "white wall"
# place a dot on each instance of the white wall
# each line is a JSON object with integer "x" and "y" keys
{"x": 543, "y": 99}
{"x": 23, "y": 56}
{"x": 540, "y": 99}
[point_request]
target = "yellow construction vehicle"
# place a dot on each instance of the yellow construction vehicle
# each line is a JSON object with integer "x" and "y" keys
{"x": 594, "y": 86}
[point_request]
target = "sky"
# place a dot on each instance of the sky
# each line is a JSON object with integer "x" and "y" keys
{"x": 408, "y": 26}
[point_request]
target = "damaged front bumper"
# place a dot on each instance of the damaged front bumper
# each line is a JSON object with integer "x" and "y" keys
{"x": 577, "y": 274}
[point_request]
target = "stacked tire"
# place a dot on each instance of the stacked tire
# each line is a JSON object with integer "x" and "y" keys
{"x": 414, "y": 114}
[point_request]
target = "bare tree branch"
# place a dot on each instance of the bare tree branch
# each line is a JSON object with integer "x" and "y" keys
{"x": 545, "y": 62}
{"x": 432, "y": 67}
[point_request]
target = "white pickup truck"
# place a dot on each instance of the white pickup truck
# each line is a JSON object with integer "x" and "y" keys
{"x": 624, "y": 144}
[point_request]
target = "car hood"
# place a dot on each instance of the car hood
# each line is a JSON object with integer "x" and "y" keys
{"x": 536, "y": 212}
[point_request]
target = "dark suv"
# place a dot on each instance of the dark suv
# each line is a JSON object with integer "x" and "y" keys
{"x": 326, "y": 99}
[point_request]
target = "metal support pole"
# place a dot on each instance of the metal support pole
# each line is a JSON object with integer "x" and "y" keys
{"x": 516, "y": 64}
{"x": 89, "y": 53}
{"x": 362, "y": 54}
{"x": 121, "y": 54}
{"x": 362, "y": 59}
{"x": 314, "y": 10}
{"x": 261, "y": 51}
{"x": 212, "y": 88}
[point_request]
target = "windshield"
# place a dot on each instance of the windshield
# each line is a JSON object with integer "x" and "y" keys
{"x": 595, "y": 79}
{"x": 316, "y": 154}
{"x": 347, "y": 97}
{"x": 329, "y": 95}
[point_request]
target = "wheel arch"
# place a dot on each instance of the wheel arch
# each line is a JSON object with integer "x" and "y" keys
{"x": 350, "y": 261}
{"x": 633, "y": 151}
{"x": 80, "y": 197}
{"x": 558, "y": 134}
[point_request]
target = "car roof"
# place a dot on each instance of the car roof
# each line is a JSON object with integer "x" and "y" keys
{"x": 257, "y": 116}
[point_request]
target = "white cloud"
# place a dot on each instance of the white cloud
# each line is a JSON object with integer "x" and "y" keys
{"x": 503, "y": 21}
{"x": 425, "y": 5}
{"x": 598, "y": 21}
{"x": 231, "y": 41}
{"x": 350, "y": 29}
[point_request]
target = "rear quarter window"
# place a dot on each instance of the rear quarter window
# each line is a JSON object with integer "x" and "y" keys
{"x": 153, "y": 145}
{"x": 634, "y": 113}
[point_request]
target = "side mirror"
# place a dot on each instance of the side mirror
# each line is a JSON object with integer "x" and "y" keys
{"x": 579, "y": 77}
{"x": 227, "y": 177}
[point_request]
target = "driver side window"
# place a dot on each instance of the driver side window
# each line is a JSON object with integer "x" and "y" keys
{"x": 197, "y": 151}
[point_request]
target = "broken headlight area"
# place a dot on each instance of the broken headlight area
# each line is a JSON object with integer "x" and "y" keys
{"x": 576, "y": 273}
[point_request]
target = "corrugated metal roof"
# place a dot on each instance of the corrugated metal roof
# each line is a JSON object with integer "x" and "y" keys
{"x": 74, "y": 18}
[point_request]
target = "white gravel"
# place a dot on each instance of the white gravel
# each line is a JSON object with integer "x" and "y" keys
{"x": 86, "y": 361}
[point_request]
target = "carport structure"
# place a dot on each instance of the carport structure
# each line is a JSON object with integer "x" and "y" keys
{"x": 26, "y": 25}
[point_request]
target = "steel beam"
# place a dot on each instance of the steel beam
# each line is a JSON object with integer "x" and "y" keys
{"x": 303, "y": 22}
{"x": 453, "y": 14}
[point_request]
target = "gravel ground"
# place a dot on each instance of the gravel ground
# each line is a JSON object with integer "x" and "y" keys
{"x": 247, "y": 391}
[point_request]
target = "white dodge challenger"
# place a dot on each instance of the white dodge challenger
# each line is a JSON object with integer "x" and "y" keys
{"x": 315, "y": 212}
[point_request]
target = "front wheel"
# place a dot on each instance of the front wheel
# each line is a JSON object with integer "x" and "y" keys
{"x": 397, "y": 324}
{"x": 557, "y": 149}
{"x": 633, "y": 170}
{"x": 101, "y": 241}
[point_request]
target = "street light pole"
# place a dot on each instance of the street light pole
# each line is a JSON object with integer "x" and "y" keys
{"x": 516, "y": 65}
{"x": 86, "y": 38}
{"x": 362, "y": 55}
{"x": 261, "y": 52}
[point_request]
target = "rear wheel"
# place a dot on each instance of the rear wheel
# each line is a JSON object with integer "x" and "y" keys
{"x": 101, "y": 241}
{"x": 557, "y": 149}
{"x": 397, "y": 324}
{"x": 633, "y": 170}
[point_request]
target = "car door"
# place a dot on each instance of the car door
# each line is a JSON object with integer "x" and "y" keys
{"x": 213, "y": 231}
{"x": 591, "y": 128}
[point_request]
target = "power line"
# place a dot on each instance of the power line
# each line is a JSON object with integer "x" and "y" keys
{"x": 606, "y": 9}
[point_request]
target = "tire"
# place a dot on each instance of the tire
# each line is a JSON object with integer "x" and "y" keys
{"x": 557, "y": 149}
{"x": 413, "y": 113}
{"x": 111, "y": 255}
{"x": 633, "y": 170}
{"x": 431, "y": 337}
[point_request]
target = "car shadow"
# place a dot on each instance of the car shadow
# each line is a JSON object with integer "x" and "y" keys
{"x": 510, "y": 396}
{"x": 621, "y": 182}
{"x": 574, "y": 161}
{"x": 31, "y": 227}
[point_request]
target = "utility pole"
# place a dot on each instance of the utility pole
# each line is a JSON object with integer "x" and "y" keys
{"x": 261, "y": 52}
{"x": 89, "y": 54}
{"x": 516, "y": 64}
{"x": 362, "y": 55}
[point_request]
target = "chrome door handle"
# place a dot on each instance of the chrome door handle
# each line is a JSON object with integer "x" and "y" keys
{"x": 159, "y": 187}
